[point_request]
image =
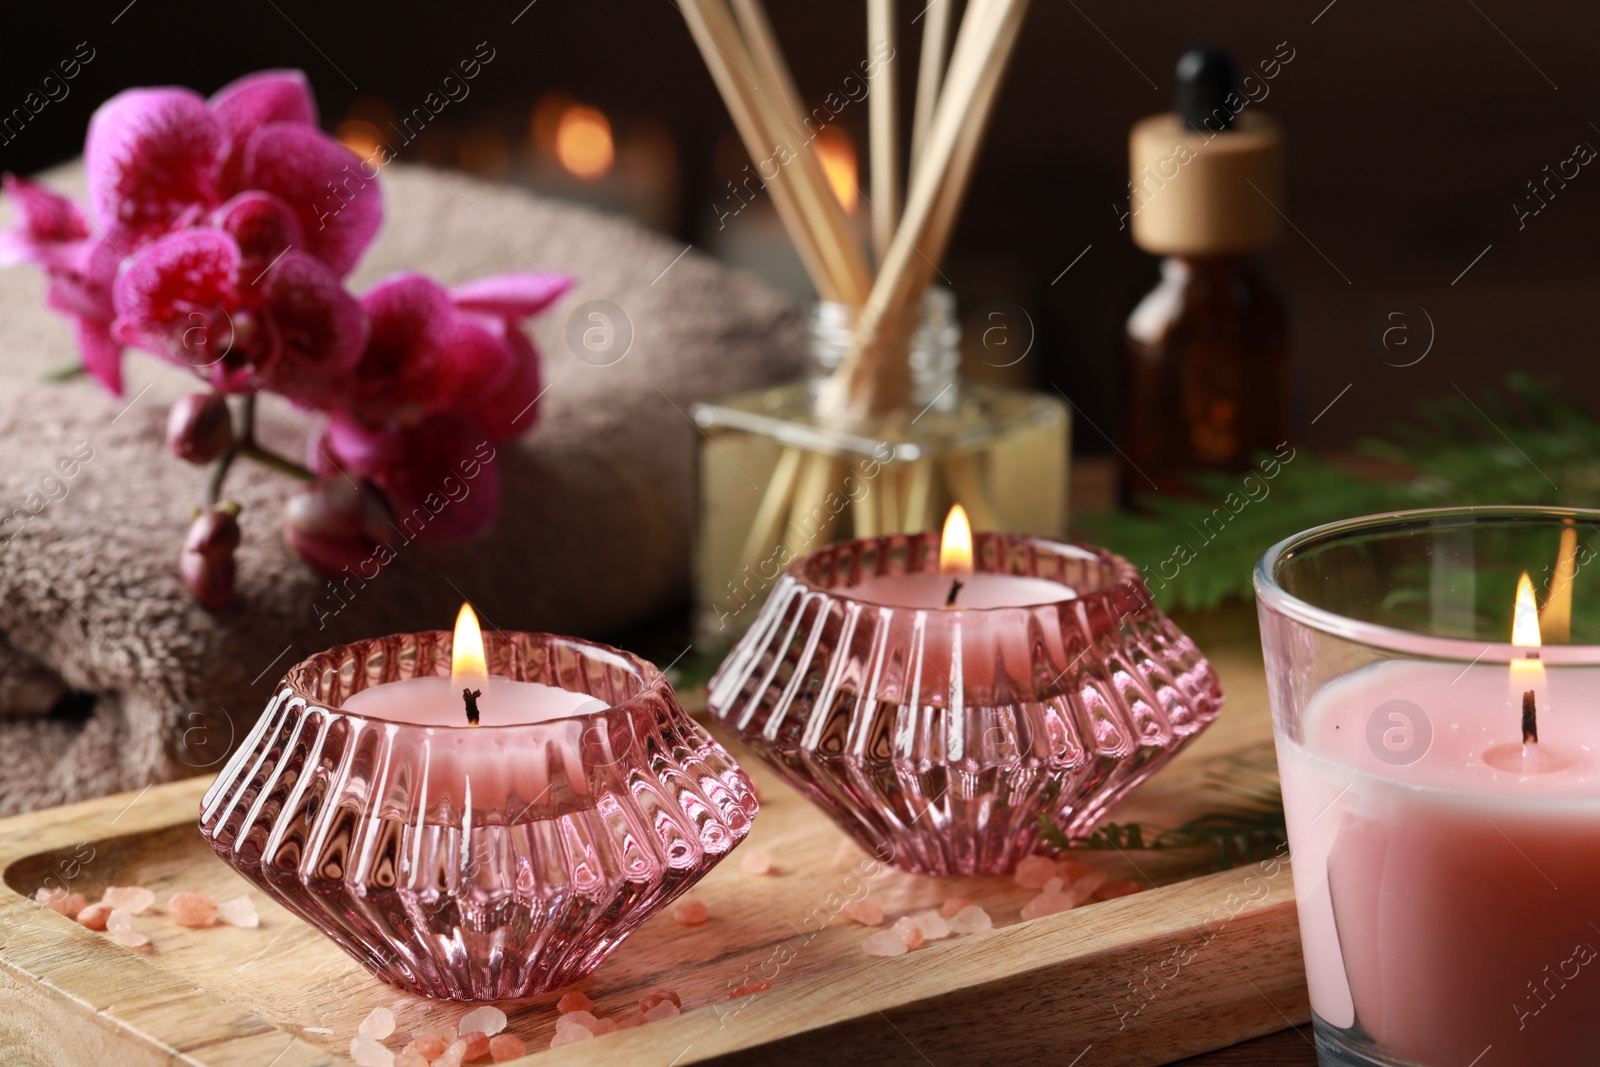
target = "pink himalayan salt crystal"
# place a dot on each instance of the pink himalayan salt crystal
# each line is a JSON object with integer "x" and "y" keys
{"x": 429, "y": 1047}
{"x": 909, "y": 932}
{"x": 971, "y": 919}
{"x": 378, "y": 1024}
{"x": 487, "y": 1020}
{"x": 1047, "y": 904}
{"x": 650, "y": 1000}
{"x": 605, "y": 1026}
{"x": 368, "y": 1051}
{"x": 1124, "y": 888}
{"x": 454, "y": 1056}
{"x": 566, "y": 1036}
{"x": 409, "y": 1059}
{"x": 665, "y": 1009}
{"x": 690, "y": 912}
{"x": 865, "y": 912}
{"x": 474, "y": 1046}
{"x": 574, "y": 1002}
{"x": 61, "y": 902}
{"x": 441, "y": 1033}
{"x": 1088, "y": 885}
{"x": 934, "y": 926}
{"x": 577, "y": 1018}
{"x": 119, "y": 924}
{"x": 240, "y": 911}
{"x": 756, "y": 863}
{"x": 1069, "y": 871}
{"x": 952, "y": 906}
{"x": 94, "y": 916}
{"x": 133, "y": 899}
{"x": 1034, "y": 871}
{"x": 503, "y": 1047}
{"x": 1055, "y": 887}
{"x": 193, "y": 910}
{"x": 884, "y": 943}
{"x": 750, "y": 988}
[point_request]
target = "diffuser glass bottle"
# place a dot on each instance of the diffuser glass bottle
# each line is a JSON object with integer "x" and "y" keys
{"x": 778, "y": 479}
{"x": 1206, "y": 350}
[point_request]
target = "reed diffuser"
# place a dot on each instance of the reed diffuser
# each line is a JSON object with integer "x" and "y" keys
{"x": 881, "y": 436}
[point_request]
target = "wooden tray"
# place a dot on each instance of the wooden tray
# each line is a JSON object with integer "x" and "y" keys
{"x": 1191, "y": 966}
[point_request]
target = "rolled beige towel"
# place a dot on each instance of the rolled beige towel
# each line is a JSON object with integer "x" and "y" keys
{"x": 593, "y": 533}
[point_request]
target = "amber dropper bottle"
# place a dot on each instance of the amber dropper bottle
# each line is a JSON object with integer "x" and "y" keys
{"x": 1206, "y": 350}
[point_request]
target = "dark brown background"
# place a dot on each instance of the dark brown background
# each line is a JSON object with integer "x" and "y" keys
{"x": 1413, "y": 127}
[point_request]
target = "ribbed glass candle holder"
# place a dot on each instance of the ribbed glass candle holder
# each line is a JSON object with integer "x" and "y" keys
{"x": 485, "y": 863}
{"x": 937, "y": 738}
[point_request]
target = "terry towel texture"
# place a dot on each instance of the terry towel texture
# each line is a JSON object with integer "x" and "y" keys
{"x": 593, "y": 532}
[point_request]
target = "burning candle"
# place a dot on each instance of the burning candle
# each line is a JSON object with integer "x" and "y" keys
{"x": 936, "y": 696}
{"x": 956, "y": 585}
{"x": 1445, "y": 824}
{"x": 491, "y": 861}
{"x": 469, "y": 697}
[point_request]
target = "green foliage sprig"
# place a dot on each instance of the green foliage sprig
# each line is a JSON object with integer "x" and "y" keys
{"x": 1526, "y": 444}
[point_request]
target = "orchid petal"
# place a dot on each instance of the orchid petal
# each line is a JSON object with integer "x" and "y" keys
{"x": 102, "y": 355}
{"x": 339, "y": 206}
{"x": 321, "y": 331}
{"x": 177, "y": 299}
{"x": 49, "y": 227}
{"x": 152, "y": 154}
{"x": 253, "y": 101}
{"x": 515, "y": 296}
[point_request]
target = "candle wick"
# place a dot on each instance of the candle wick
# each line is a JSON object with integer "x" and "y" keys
{"x": 1530, "y": 720}
{"x": 470, "y": 698}
{"x": 955, "y": 587}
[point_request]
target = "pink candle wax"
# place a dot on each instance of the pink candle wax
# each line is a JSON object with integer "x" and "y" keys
{"x": 526, "y": 757}
{"x": 977, "y": 590}
{"x": 1447, "y": 903}
{"x": 436, "y": 701}
{"x": 956, "y": 650}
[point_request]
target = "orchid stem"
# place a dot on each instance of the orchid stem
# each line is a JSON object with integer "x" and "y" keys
{"x": 245, "y": 446}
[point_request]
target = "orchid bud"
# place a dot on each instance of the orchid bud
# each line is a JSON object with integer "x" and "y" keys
{"x": 200, "y": 427}
{"x": 337, "y": 523}
{"x": 206, "y": 563}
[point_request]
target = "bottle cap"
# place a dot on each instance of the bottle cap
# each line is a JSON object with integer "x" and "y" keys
{"x": 1205, "y": 179}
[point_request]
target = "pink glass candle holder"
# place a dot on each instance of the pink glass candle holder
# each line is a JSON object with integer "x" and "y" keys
{"x": 1435, "y": 684}
{"x": 937, "y": 737}
{"x": 477, "y": 863}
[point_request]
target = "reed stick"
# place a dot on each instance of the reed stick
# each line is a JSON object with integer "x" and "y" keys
{"x": 883, "y": 106}
{"x": 729, "y": 62}
{"x": 819, "y": 477}
{"x": 930, "y": 73}
{"x": 919, "y": 495}
{"x": 961, "y": 474}
{"x": 780, "y": 101}
{"x": 868, "y": 383}
{"x": 773, "y": 511}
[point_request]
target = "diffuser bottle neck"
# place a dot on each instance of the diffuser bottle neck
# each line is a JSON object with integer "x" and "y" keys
{"x": 931, "y": 343}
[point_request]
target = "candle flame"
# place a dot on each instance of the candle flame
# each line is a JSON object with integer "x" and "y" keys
{"x": 468, "y": 664}
{"x": 955, "y": 547}
{"x": 1525, "y": 619}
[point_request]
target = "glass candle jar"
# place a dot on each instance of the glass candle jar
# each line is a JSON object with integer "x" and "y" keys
{"x": 938, "y": 736}
{"x": 778, "y": 480}
{"x": 477, "y": 863}
{"x": 1435, "y": 686}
